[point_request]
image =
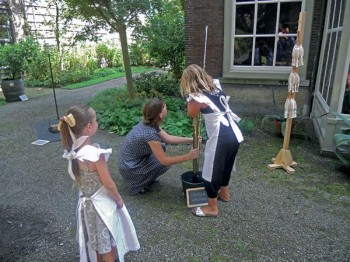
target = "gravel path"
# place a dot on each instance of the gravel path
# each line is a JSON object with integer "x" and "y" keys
{"x": 263, "y": 222}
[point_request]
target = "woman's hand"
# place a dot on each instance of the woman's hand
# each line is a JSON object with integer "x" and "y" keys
{"x": 200, "y": 139}
{"x": 194, "y": 153}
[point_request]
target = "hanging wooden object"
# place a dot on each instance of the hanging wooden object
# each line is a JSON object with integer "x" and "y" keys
{"x": 284, "y": 158}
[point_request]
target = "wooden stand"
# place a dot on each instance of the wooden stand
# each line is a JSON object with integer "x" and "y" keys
{"x": 284, "y": 158}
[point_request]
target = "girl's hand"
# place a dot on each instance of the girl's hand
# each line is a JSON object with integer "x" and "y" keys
{"x": 194, "y": 153}
{"x": 200, "y": 139}
{"x": 120, "y": 203}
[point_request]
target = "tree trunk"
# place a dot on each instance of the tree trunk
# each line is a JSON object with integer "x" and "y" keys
{"x": 126, "y": 60}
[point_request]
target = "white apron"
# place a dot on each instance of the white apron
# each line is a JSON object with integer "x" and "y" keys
{"x": 117, "y": 220}
{"x": 212, "y": 124}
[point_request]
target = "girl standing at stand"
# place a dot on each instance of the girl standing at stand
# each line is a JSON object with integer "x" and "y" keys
{"x": 205, "y": 95}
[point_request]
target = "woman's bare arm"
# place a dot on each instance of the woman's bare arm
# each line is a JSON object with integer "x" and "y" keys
{"x": 159, "y": 153}
{"x": 170, "y": 139}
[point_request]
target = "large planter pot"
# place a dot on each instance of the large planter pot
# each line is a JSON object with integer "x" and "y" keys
{"x": 191, "y": 181}
{"x": 279, "y": 127}
{"x": 12, "y": 89}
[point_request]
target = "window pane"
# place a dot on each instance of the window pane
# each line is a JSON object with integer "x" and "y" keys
{"x": 323, "y": 82}
{"x": 289, "y": 16}
{"x": 337, "y": 12}
{"x": 244, "y": 0}
{"x": 263, "y": 53}
{"x": 4, "y": 19}
{"x": 266, "y": 23}
{"x": 331, "y": 16}
{"x": 285, "y": 46}
{"x": 4, "y": 34}
{"x": 243, "y": 51}
{"x": 336, "y": 36}
{"x": 244, "y": 19}
{"x": 342, "y": 9}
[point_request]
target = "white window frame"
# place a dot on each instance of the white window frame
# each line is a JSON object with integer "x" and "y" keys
{"x": 325, "y": 88}
{"x": 260, "y": 74}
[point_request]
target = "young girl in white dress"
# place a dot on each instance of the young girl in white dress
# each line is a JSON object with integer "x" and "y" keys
{"x": 104, "y": 224}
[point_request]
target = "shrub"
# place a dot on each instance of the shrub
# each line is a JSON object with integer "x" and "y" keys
{"x": 246, "y": 126}
{"x": 18, "y": 56}
{"x": 162, "y": 83}
{"x": 116, "y": 113}
{"x": 101, "y": 72}
{"x": 74, "y": 76}
{"x": 109, "y": 52}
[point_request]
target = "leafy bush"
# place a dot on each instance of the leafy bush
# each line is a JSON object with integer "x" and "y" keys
{"x": 109, "y": 52}
{"x": 2, "y": 101}
{"x": 18, "y": 56}
{"x": 74, "y": 76}
{"x": 101, "y": 72}
{"x": 160, "y": 82}
{"x": 116, "y": 113}
{"x": 139, "y": 55}
{"x": 246, "y": 126}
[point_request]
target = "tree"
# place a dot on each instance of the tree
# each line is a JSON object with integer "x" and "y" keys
{"x": 117, "y": 15}
{"x": 163, "y": 36}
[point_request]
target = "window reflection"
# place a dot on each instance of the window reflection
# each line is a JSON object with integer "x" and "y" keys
{"x": 289, "y": 16}
{"x": 244, "y": 19}
{"x": 265, "y": 23}
{"x": 285, "y": 46}
{"x": 263, "y": 54}
{"x": 243, "y": 51}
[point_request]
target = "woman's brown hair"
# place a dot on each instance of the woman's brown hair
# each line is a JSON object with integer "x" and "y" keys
{"x": 151, "y": 112}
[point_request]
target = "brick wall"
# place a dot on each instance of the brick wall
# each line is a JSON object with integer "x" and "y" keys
{"x": 198, "y": 15}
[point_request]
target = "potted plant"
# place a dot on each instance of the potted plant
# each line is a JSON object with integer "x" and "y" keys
{"x": 14, "y": 60}
{"x": 278, "y": 120}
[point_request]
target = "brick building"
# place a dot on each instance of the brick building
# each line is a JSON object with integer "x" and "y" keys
{"x": 247, "y": 51}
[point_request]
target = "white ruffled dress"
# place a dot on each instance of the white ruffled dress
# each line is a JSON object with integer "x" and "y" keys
{"x": 100, "y": 224}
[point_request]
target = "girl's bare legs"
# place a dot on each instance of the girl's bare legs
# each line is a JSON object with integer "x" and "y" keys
{"x": 110, "y": 257}
{"x": 212, "y": 208}
{"x": 99, "y": 257}
{"x": 224, "y": 193}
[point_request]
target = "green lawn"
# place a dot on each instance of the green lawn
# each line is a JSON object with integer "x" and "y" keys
{"x": 135, "y": 70}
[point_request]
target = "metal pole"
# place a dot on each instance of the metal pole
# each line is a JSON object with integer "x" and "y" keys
{"x": 53, "y": 86}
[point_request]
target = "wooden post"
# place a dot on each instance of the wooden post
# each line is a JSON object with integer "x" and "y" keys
{"x": 284, "y": 158}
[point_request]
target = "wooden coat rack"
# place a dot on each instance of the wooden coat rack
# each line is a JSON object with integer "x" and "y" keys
{"x": 284, "y": 158}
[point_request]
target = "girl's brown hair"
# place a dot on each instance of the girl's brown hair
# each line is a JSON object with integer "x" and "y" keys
{"x": 151, "y": 112}
{"x": 83, "y": 115}
{"x": 195, "y": 80}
